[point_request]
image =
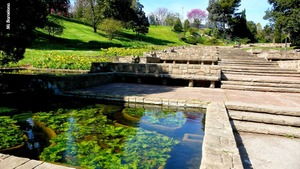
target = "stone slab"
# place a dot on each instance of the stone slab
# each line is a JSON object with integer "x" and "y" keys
{"x": 30, "y": 164}
{"x": 51, "y": 166}
{"x": 12, "y": 162}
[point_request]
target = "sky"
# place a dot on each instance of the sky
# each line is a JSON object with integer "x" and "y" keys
{"x": 255, "y": 9}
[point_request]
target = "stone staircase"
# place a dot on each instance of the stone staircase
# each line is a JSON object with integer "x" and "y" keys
{"x": 256, "y": 74}
{"x": 264, "y": 119}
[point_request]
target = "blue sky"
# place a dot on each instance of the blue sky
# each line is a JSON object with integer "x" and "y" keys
{"x": 255, "y": 9}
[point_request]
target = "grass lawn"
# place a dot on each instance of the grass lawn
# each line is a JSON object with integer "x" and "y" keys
{"x": 78, "y": 46}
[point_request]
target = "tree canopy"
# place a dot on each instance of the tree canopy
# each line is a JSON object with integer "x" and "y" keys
{"x": 16, "y": 32}
{"x": 285, "y": 15}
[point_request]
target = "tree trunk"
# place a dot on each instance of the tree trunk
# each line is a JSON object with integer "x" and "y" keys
{"x": 95, "y": 28}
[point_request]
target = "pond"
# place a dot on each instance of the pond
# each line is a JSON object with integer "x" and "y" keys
{"x": 91, "y": 135}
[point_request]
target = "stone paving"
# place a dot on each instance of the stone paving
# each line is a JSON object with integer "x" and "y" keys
{"x": 12, "y": 162}
{"x": 186, "y": 93}
{"x": 261, "y": 151}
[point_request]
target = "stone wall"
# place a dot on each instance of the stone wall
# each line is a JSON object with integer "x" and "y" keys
{"x": 181, "y": 71}
{"x": 291, "y": 64}
{"x": 52, "y": 83}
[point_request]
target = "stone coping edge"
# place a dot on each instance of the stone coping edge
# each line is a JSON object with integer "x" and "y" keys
{"x": 219, "y": 149}
{"x": 141, "y": 100}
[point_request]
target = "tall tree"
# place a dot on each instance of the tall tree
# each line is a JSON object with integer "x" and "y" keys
{"x": 161, "y": 14}
{"x": 241, "y": 28}
{"x": 285, "y": 15}
{"x": 186, "y": 25}
{"x": 17, "y": 26}
{"x": 140, "y": 23}
{"x": 221, "y": 12}
{"x": 152, "y": 19}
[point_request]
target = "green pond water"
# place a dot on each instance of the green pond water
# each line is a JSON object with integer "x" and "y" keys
{"x": 92, "y": 135}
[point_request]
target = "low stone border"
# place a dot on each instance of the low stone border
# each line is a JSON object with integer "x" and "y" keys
{"x": 141, "y": 100}
{"x": 219, "y": 149}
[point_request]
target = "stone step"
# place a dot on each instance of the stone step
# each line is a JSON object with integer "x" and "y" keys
{"x": 256, "y": 68}
{"x": 264, "y": 118}
{"x": 263, "y": 84}
{"x": 261, "y": 79}
{"x": 270, "y": 109}
{"x": 244, "y": 60}
{"x": 261, "y": 88}
{"x": 277, "y": 71}
{"x": 249, "y": 65}
{"x": 248, "y": 62}
{"x": 225, "y": 72}
{"x": 262, "y": 128}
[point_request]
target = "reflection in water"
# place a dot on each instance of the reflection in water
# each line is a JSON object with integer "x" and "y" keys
{"x": 186, "y": 127}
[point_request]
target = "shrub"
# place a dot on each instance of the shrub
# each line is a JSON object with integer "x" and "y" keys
{"x": 111, "y": 27}
{"x": 191, "y": 40}
{"x": 182, "y": 37}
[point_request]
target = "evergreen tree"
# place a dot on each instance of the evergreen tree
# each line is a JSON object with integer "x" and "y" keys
{"x": 285, "y": 15}
{"x": 140, "y": 23}
{"x": 240, "y": 27}
{"x": 186, "y": 25}
{"x": 178, "y": 26}
{"x": 221, "y": 13}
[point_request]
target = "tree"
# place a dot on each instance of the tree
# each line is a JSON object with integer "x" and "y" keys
{"x": 178, "y": 26}
{"x": 251, "y": 26}
{"x": 221, "y": 13}
{"x": 140, "y": 23}
{"x": 16, "y": 30}
{"x": 260, "y": 36}
{"x": 53, "y": 25}
{"x": 152, "y": 19}
{"x": 94, "y": 12}
{"x": 197, "y": 16}
{"x": 161, "y": 14}
{"x": 90, "y": 11}
{"x": 240, "y": 27}
{"x": 285, "y": 15}
{"x": 111, "y": 27}
{"x": 186, "y": 25}
{"x": 59, "y": 7}
{"x": 268, "y": 33}
{"x": 171, "y": 18}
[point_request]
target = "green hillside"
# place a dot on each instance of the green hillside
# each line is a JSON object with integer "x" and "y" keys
{"x": 78, "y": 46}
